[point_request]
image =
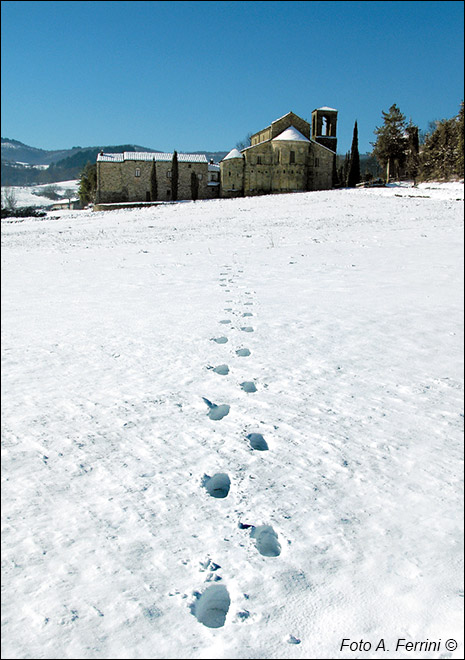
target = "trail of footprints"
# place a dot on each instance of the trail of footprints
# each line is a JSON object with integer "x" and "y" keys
{"x": 211, "y": 607}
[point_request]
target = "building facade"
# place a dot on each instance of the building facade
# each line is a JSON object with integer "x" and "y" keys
{"x": 290, "y": 155}
{"x": 128, "y": 177}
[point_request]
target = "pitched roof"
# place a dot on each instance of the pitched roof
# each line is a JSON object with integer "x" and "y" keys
{"x": 150, "y": 155}
{"x": 234, "y": 153}
{"x": 293, "y": 134}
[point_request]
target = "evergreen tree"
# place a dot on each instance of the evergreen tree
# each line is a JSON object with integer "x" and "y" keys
{"x": 153, "y": 182}
{"x": 391, "y": 144}
{"x": 334, "y": 175}
{"x": 194, "y": 186}
{"x": 344, "y": 171}
{"x": 174, "y": 176}
{"x": 353, "y": 175}
{"x": 442, "y": 153}
{"x": 413, "y": 149}
{"x": 88, "y": 184}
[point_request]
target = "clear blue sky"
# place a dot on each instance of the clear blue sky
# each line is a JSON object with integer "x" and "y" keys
{"x": 202, "y": 75}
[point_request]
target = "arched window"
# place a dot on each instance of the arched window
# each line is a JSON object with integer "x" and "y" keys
{"x": 137, "y": 172}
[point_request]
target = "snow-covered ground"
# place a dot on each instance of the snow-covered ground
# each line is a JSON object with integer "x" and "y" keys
{"x": 31, "y": 195}
{"x": 316, "y": 497}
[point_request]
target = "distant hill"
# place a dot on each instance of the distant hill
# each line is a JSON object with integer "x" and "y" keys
{"x": 25, "y": 165}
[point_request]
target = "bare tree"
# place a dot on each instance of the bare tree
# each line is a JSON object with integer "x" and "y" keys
{"x": 244, "y": 143}
{"x": 9, "y": 200}
{"x": 69, "y": 195}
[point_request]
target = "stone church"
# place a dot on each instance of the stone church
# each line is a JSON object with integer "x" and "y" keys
{"x": 287, "y": 156}
{"x": 290, "y": 155}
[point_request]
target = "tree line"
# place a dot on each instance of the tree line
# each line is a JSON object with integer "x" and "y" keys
{"x": 401, "y": 151}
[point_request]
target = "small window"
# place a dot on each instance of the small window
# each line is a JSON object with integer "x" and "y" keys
{"x": 292, "y": 157}
{"x": 259, "y": 160}
{"x": 199, "y": 176}
{"x": 168, "y": 174}
{"x": 137, "y": 173}
{"x": 317, "y": 162}
{"x": 189, "y": 166}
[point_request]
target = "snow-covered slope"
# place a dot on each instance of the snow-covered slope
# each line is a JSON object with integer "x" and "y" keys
{"x": 33, "y": 195}
{"x": 232, "y": 429}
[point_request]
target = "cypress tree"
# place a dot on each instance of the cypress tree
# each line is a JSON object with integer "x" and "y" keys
{"x": 413, "y": 151}
{"x": 334, "y": 175}
{"x": 174, "y": 176}
{"x": 194, "y": 186}
{"x": 459, "y": 148}
{"x": 353, "y": 176}
{"x": 344, "y": 171}
{"x": 153, "y": 182}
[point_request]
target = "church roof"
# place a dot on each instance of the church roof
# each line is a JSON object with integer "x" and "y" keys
{"x": 293, "y": 134}
{"x": 326, "y": 108}
{"x": 234, "y": 153}
{"x": 150, "y": 155}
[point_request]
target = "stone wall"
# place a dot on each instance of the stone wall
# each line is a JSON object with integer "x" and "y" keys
{"x": 232, "y": 177}
{"x": 288, "y": 120}
{"x": 275, "y": 167}
{"x": 278, "y": 166}
{"x": 129, "y": 181}
{"x": 321, "y": 167}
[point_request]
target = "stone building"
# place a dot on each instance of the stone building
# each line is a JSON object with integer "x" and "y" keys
{"x": 290, "y": 155}
{"x": 126, "y": 177}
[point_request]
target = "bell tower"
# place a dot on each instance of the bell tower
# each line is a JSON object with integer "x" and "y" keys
{"x": 324, "y": 123}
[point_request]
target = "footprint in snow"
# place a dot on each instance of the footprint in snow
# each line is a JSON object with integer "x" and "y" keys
{"x": 225, "y": 321}
{"x": 221, "y": 369}
{"x": 266, "y": 540}
{"x": 247, "y": 314}
{"x": 248, "y": 386}
{"x": 247, "y": 328}
{"x": 257, "y": 441}
{"x": 212, "y": 606}
{"x": 217, "y": 486}
{"x": 217, "y": 412}
{"x": 221, "y": 340}
{"x": 243, "y": 352}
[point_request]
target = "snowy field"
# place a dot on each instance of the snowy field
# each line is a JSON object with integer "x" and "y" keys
{"x": 233, "y": 428}
{"x": 33, "y": 195}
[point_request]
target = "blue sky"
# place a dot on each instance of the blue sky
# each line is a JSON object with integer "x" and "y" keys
{"x": 202, "y": 75}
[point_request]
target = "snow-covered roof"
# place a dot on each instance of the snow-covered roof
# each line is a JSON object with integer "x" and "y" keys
{"x": 326, "y": 108}
{"x": 293, "y": 134}
{"x": 150, "y": 155}
{"x": 213, "y": 167}
{"x": 234, "y": 153}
